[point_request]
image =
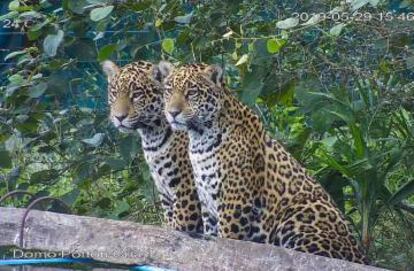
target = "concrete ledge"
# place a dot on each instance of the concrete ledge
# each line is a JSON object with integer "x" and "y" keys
{"x": 131, "y": 243}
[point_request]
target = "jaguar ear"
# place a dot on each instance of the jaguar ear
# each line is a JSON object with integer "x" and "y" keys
{"x": 110, "y": 69}
{"x": 215, "y": 74}
{"x": 162, "y": 70}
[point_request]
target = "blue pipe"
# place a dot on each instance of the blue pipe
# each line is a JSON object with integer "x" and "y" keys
{"x": 43, "y": 261}
{"x": 69, "y": 261}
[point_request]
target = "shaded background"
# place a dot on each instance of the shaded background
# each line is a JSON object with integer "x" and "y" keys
{"x": 338, "y": 93}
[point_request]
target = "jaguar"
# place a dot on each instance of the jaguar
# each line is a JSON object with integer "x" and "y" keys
{"x": 250, "y": 186}
{"x": 135, "y": 98}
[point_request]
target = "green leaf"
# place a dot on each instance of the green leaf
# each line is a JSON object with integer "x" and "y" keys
{"x": 95, "y": 141}
{"x": 286, "y": 93}
{"x": 115, "y": 163}
{"x": 274, "y": 45}
{"x": 106, "y": 51}
{"x": 186, "y": 19}
{"x": 30, "y": 14}
{"x": 313, "y": 20}
{"x": 288, "y": 23}
{"x": 357, "y": 4}
{"x": 243, "y": 59}
{"x": 98, "y": 14}
{"x": 36, "y": 30}
{"x": 52, "y": 42}
{"x": 252, "y": 85}
{"x": 128, "y": 147}
{"x": 5, "y": 159}
{"x": 373, "y": 3}
{"x": 168, "y": 45}
{"x": 13, "y": 143}
{"x": 77, "y": 6}
{"x": 121, "y": 207}
{"x": 16, "y": 79}
{"x": 12, "y": 178}
{"x": 404, "y": 192}
{"x": 14, "y": 54}
{"x": 10, "y": 15}
{"x": 44, "y": 176}
{"x": 332, "y": 162}
{"x": 337, "y": 29}
{"x": 104, "y": 203}
{"x": 37, "y": 90}
{"x": 70, "y": 197}
{"x": 228, "y": 34}
{"x": 345, "y": 116}
{"x": 409, "y": 61}
{"x": 99, "y": 2}
{"x": 406, "y": 4}
{"x": 359, "y": 143}
{"x": 14, "y": 5}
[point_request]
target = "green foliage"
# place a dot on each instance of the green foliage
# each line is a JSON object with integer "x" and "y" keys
{"x": 337, "y": 93}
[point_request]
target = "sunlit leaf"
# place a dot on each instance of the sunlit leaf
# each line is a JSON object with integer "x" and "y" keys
{"x": 274, "y": 45}
{"x": 313, "y": 20}
{"x": 243, "y": 59}
{"x": 95, "y": 141}
{"x": 14, "y": 5}
{"x": 228, "y": 34}
{"x": 101, "y": 13}
{"x": 14, "y": 54}
{"x": 52, "y": 42}
{"x": 186, "y": 19}
{"x": 106, "y": 51}
{"x": 288, "y": 23}
{"x": 168, "y": 45}
{"x": 357, "y": 4}
{"x": 337, "y": 29}
{"x": 37, "y": 90}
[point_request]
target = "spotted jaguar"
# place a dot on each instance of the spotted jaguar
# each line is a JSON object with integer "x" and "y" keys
{"x": 250, "y": 187}
{"x": 135, "y": 97}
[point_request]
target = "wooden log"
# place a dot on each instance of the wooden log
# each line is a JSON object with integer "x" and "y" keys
{"x": 125, "y": 242}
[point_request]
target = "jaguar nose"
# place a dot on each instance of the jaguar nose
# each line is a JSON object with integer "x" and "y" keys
{"x": 174, "y": 113}
{"x": 121, "y": 117}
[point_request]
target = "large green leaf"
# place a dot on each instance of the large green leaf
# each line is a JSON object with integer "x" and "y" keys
{"x": 37, "y": 90}
{"x": 288, "y": 23}
{"x": 44, "y": 176}
{"x": 168, "y": 45}
{"x": 95, "y": 141}
{"x": 186, "y": 19}
{"x": 5, "y": 159}
{"x": 403, "y": 193}
{"x": 52, "y": 42}
{"x": 77, "y": 6}
{"x": 106, "y": 51}
{"x": 274, "y": 45}
{"x": 252, "y": 85}
{"x": 115, "y": 163}
{"x": 70, "y": 197}
{"x": 98, "y": 14}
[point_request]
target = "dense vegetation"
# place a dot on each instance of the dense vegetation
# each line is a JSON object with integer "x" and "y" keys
{"x": 336, "y": 89}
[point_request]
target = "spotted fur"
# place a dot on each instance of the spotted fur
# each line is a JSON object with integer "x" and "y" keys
{"x": 250, "y": 187}
{"x": 136, "y": 103}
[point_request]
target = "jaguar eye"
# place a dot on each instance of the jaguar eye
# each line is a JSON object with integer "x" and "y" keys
{"x": 136, "y": 96}
{"x": 191, "y": 92}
